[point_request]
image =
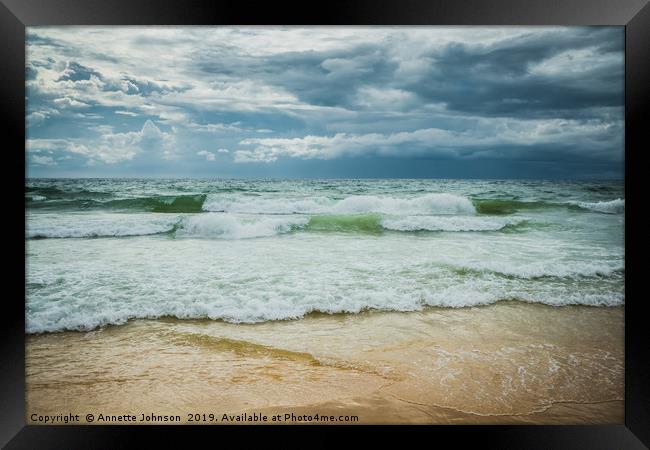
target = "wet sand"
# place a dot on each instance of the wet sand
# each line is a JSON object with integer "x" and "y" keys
{"x": 506, "y": 363}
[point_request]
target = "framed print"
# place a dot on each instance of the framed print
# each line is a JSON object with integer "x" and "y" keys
{"x": 372, "y": 216}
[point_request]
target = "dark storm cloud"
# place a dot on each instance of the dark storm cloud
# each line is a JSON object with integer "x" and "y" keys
{"x": 328, "y": 78}
{"x": 487, "y": 80}
{"x": 497, "y": 80}
{"x": 269, "y": 97}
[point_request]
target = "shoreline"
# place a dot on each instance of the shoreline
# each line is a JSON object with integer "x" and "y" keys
{"x": 509, "y": 362}
{"x": 312, "y": 315}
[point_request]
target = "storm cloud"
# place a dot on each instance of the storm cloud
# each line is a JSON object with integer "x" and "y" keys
{"x": 363, "y": 102}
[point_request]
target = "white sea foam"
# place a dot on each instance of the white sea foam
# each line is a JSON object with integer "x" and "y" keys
{"x": 228, "y": 226}
{"x": 235, "y": 226}
{"x": 540, "y": 269}
{"x": 99, "y": 225}
{"x": 337, "y": 260}
{"x": 252, "y": 205}
{"x": 357, "y": 204}
{"x": 611, "y": 207}
{"x": 278, "y": 301}
{"x": 447, "y": 223}
{"x": 426, "y": 204}
{"x": 245, "y": 280}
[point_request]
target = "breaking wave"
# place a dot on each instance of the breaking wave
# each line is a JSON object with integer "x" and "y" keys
{"x": 612, "y": 207}
{"x": 357, "y": 204}
{"x": 502, "y": 207}
{"x": 231, "y": 226}
{"x": 161, "y": 204}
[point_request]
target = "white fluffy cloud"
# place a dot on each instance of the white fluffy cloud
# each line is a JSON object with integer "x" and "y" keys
{"x": 115, "y": 147}
{"x": 66, "y": 102}
{"x": 112, "y": 148}
{"x": 488, "y": 133}
{"x": 43, "y": 160}
{"x": 209, "y": 156}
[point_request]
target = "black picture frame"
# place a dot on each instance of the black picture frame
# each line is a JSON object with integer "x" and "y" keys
{"x": 15, "y": 15}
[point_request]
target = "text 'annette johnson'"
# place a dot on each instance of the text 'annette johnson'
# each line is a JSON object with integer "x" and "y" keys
{"x": 59, "y": 419}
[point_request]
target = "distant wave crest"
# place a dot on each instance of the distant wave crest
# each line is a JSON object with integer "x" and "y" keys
{"x": 612, "y": 207}
{"x": 435, "y": 203}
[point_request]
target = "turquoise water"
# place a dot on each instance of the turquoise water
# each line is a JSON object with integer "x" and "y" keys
{"x": 103, "y": 251}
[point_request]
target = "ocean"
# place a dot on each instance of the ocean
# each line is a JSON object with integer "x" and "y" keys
{"x": 105, "y": 251}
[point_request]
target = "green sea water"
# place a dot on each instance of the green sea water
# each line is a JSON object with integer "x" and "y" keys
{"x": 103, "y": 251}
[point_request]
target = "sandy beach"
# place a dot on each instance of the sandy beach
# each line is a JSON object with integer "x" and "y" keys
{"x": 506, "y": 363}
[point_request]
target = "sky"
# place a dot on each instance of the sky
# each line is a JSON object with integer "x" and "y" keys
{"x": 328, "y": 102}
